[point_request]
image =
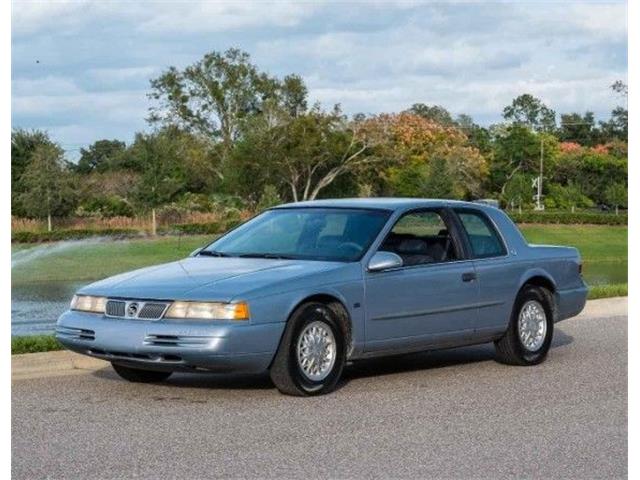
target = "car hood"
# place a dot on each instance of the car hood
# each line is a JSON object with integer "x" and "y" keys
{"x": 205, "y": 278}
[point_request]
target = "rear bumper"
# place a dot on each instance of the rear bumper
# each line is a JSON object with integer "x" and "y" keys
{"x": 171, "y": 345}
{"x": 571, "y": 302}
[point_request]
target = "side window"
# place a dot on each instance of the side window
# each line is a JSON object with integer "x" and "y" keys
{"x": 482, "y": 235}
{"x": 421, "y": 238}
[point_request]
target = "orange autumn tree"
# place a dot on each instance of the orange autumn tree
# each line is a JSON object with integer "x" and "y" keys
{"x": 423, "y": 158}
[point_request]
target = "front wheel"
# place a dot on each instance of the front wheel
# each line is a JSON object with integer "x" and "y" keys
{"x": 311, "y": 355}
{"x": 528, "y": 338}
{"x": 140, "y": 376}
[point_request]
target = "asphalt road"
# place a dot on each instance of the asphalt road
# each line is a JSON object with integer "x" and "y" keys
{"x": 448, "y": 414}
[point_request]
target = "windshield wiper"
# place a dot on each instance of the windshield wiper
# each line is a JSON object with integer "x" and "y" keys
{"x": 212, "y": 253}
{"x": 275, "y": 256}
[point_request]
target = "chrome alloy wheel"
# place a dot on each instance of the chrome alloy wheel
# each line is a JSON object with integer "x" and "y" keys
{"x": 532, "y": 325}
{"x": 316, "y": 351}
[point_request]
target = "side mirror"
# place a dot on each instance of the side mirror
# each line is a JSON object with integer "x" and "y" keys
{"x": 196, "y": 252}
{"x": 384, "y": 261}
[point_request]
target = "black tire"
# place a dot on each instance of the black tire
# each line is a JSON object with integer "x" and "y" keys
{"x": 286, "y": 373}
{"x": 140, "y": 376}
{"x": 510, "y": 349}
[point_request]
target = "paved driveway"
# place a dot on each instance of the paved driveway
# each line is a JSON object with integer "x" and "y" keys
{"x": 448, "y": 414}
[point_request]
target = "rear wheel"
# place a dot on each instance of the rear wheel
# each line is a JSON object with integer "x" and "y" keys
{"x": 528, "y": 339}
{"x": 140, "y": 376}
{"x": 311, "y": 354}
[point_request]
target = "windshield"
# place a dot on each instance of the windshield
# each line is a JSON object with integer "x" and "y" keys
{"x": 333, "y": 234}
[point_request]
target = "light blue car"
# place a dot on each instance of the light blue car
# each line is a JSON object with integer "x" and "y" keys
{"x": 304, "y": 288}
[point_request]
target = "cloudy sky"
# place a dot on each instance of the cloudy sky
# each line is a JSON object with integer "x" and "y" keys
{"x": 81, "y": 69}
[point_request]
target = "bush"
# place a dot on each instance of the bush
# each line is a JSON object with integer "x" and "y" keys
{"x": 566, "y": 218}
{"x": 171, "y": 213}
{"x": 210, "y": 228}
{"x": 199, "y": 228}
{"x": 72, "y": 234}
{"x": 269, "y": 198}
{"x": 105, "y": 206}
{"x": 34, "y": 344}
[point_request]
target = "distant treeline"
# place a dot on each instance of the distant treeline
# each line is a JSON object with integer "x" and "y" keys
{"x": 227, "y": 138}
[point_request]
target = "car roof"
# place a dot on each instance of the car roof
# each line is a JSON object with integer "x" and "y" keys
{"x": 391, "y": 204}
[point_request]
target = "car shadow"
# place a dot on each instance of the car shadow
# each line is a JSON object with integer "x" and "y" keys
{"x": 432, "y": 359}
{"x": 205, "y": 380}
{"x": 359, "y": 369}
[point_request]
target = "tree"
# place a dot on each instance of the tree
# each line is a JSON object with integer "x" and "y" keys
{"x": 435, "y": 113}
{"x": 162, "y": 176}
{"x": 566, "y": 196}
{"x": 306, "y": 153}
{"x": 518, "y": 191}
{"x": 620, "y": 88}
{"x": 100, "y": 156}
{"x": 213, "y": 96}
{"x": 618, "y": 126}
{"x": 616, "y": 195}
{"x": 591, "y": 172}
{"x": 516, "y": 151}
{"x": 578, "y": 128}
{"x": 23, "y": 144}
{"x": 292, "y": 95}
{"x": 529, "y": 110}
{"x": 413, "y": 145}
{"x": 439, "y": 182}
{"x": 48, "y": 188}
{"x": 269, "y": 198}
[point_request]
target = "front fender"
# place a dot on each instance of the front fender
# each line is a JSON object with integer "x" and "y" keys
{"x": 278, "y": 308}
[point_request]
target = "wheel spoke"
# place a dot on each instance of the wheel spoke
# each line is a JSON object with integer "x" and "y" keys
{"x": 316, "y": 350}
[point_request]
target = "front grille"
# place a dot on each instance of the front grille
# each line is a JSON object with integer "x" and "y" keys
{"x": 135, "y": 309}
{"x": 152, "y": 311}
{"x": 115, "y": 308}
{"x": 75, "y": 333}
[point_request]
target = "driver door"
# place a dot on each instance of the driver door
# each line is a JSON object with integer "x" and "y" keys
{"x": 432, "y": 298}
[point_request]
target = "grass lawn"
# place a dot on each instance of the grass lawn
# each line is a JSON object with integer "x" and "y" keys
{"x": 603, "y": 249}
{"x": 83, "y": 260}
{"x": 601, "y": 243}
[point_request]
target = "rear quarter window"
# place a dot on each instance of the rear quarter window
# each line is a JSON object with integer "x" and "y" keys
{"x": 483, "y": 237}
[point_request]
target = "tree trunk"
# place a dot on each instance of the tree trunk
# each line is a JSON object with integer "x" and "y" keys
{"x": 153, "y": 222}
{"x": 49, "y": 221}
{"x": 616, "y": 209}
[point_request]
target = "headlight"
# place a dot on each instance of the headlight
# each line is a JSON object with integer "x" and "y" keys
{"x": 88, "y": 303}
{"x": 208, "y": 311}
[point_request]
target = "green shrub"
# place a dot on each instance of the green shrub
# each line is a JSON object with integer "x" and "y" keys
{"x": 71, "y": 234}
{"x": 105, "y": 206}
{"x": 269, "y": 198}
{"x": 34, "y": 344}
{"x": 567, "y": 218}
{"x": 199, "y": 228}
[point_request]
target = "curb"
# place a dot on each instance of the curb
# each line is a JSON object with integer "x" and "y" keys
{"x": 53, "y": 364}
{"x": 605, "y": 307}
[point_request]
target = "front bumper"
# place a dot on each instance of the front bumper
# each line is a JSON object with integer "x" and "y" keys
{"x": 171, "y": 345}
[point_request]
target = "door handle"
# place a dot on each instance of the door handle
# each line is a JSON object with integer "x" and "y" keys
{"x": 469, "y": 276}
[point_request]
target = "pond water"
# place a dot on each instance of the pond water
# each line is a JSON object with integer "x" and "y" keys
{"x": 35, "y": 307}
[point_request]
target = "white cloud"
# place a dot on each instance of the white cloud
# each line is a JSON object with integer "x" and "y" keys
{"x": 468, "y": 56}
{"x": 150, "y": 16}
